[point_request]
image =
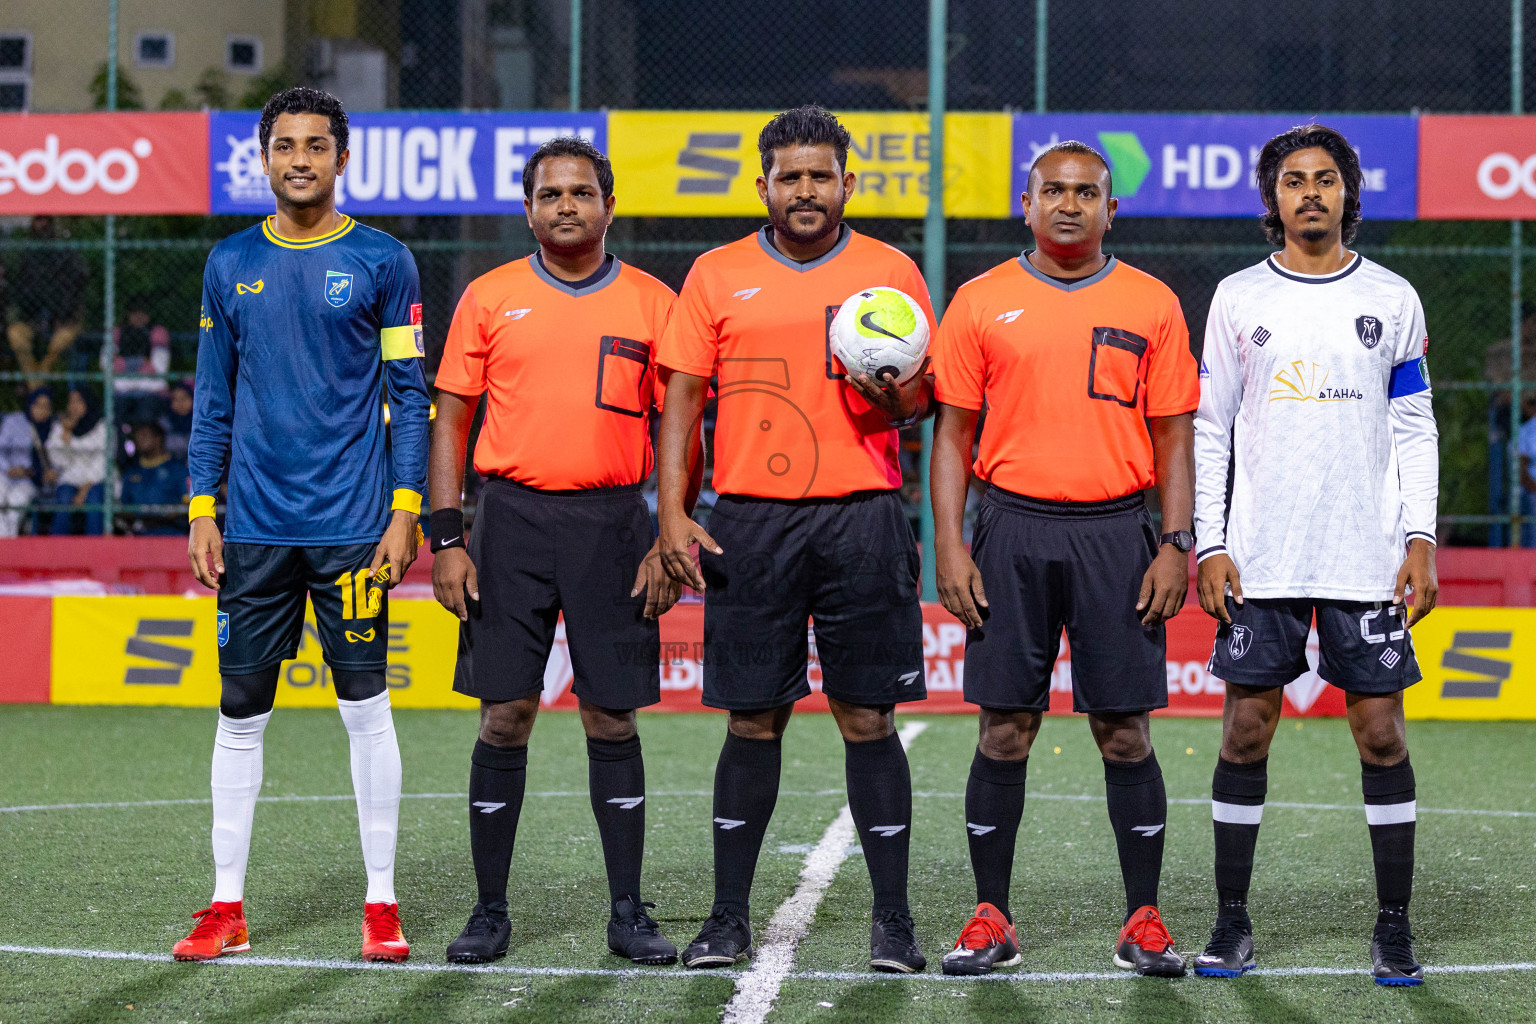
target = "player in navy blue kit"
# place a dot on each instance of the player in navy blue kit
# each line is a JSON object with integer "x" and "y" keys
{"x": 310, "y": 322}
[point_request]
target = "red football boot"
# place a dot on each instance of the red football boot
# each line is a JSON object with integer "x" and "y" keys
{"x": 382, "y": 938}
{"x": 220, "y": 929}
{"x": 988, "y": 940}
{"x": 1146, "y": 947}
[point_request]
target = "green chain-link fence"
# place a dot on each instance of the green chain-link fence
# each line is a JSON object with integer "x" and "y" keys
{"x": 1311, "y": 58}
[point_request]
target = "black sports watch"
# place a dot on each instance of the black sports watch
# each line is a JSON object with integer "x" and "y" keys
{"x": 1181, "y": 539}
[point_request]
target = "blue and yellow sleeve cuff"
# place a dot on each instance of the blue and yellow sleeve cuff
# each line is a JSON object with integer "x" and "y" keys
{"x": 405, "y": 500}
{"x": 201, "y": 506}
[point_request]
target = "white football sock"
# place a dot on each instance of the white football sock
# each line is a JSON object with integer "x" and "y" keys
{"x": 376, "y": 781}
{"x": 236, "y": 784}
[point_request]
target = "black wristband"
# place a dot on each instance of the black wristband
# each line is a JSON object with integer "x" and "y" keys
{"x": 447, "y": 529}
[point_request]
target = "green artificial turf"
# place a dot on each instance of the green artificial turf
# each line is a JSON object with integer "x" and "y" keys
{"x": 127, "y": 879}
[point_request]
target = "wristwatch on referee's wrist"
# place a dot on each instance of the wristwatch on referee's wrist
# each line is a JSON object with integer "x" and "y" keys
{"x": 1181, "y": 539}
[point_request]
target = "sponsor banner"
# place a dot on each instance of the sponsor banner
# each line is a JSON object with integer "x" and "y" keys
{"x": 125, "y": 163}
{"x": 165, "y": 650}
{"x": 1199, "y": 165}
{"x": 1478, "y": 663}
{"x": 28, "y": 622}
{"x": 705, "y": 163}
{"x": 404, "y": 162}
{"x": 1477, "y": 167}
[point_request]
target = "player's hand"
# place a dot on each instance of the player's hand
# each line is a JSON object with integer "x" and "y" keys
{"x": 960, "y": 589}
{"x": 1164, "y": 586}
{"x": 661, "y": 590}
{"x": 453, "y": 576}
{"x": 205, "y": 548}
{"x": 1418, "y": 573}
{"x": 1215, "y": 575}
{"x": 397, "y": 549}
{"x": 678, "y": 534}
{"x": 897, "y": 401}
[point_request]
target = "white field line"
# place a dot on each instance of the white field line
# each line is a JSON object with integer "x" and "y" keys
{"x": 758, "y": 988}
{"x": 924, "y": 795}
{"x": 242, "y": 960}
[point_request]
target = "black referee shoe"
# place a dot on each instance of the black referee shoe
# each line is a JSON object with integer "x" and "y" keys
{"x": 893, "y": 944}
{"x": 483, "y": 939}
{"x": 725, "y": 938}
{"x": 632, "y": 933}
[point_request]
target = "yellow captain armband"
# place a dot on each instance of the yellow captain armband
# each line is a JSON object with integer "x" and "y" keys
{"x": 401, "y": 343}
{"x": 201, "y": 505}
{"x": 405, "y": 500}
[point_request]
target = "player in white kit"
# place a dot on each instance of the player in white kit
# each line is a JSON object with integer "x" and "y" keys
{"x": 1314, "y": 385}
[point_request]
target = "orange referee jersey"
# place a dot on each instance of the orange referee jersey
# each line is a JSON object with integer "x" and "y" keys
{"x": 787, "y": 425}
{"x": 1068, "y": 372}
{"x": 570, "y": 373}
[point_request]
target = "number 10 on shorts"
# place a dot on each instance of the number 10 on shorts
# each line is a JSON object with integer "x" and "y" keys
{"x": 368, "y": 600}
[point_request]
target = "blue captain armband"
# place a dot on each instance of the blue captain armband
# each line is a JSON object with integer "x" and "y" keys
{"x": 1409, "y": 378}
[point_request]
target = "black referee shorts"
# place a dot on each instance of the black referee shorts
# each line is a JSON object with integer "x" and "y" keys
{"x": 848, "y": 563}
{"x": 1079, "y": 565}
{"x": 539, "y": 554}
{"x": 261, "y": 607}
{"x": 1363, "y": 646}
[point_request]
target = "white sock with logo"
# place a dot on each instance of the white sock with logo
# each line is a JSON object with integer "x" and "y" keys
{"x": 376, "y": 782}
{"x": 236, "y": 784}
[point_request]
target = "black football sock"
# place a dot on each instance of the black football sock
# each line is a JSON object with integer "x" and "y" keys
{"x": 880, "y": 797}
{"x": 1237, "y": 807}
{"x": 994, "y": 805}
{"x": 497, "y": 777}
{"x": 616, "y": 779}
{"x": 1138, "y": 812}
{"x": 746, "y": 790}
{"x": 1391, "y": 812}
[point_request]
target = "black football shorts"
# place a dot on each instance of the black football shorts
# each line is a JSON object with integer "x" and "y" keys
{"x": 1049, "y": 565}
{"x": 850, "y": 564}
{"x": 1363, "y": 646}
{"x": 261, "y": 607}
{"x": 540, "y": 554}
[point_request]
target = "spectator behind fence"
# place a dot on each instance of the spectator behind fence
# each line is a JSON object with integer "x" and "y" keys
{"x": 23, "y": 457}
{"x": 77, "y": 449}
{"x": 46, "y": 302}
{"x": 143, "y": 347}
{"x": 1525, "y": 451}
{"x": 178, "y": 422}
{"x": 154, "y": 477}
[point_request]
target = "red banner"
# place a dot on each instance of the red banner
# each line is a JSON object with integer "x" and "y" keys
{"x": 124, "y": 163}
{"x": 1477, "y": 167}
{"x": 1191, "y": 689}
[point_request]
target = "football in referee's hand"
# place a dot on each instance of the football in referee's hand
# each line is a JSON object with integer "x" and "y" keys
{"x": 881, "y": 332}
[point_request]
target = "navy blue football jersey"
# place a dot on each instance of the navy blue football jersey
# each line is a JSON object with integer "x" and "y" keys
{"x": 301, "y": 342}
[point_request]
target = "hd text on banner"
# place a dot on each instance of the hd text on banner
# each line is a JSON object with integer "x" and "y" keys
{"x": 404, "y": 162}
{"x": 705, "y": 163}
{"x": 1202, "y": 165}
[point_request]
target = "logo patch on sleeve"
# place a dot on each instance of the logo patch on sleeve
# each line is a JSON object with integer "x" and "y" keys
{"x": 415, "y": 314}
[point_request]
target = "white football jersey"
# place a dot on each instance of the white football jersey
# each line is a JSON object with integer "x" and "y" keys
{"x": 1316, "y": 388}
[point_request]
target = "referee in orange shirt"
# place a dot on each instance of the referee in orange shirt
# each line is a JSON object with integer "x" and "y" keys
{"x": 1084, "y": 366}
{"x": 808, "y": 523}
{"x": 561, "y": 345}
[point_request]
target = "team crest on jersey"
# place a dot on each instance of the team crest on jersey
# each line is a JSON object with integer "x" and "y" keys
{"x": 1239, "y": 642}
{"x": 338, "y": 288}
{"x": 221, "y": 628}
{"x": 1369, "y": 330}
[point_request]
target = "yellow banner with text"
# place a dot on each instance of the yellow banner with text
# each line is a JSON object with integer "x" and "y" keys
{"x": 705, "y": 163}
{"x": 164, "y": 650}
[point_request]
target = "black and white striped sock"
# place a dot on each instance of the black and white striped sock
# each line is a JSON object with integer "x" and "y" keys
{"x": 1391, "y": 812}
{"x": 1237, "y": 808}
